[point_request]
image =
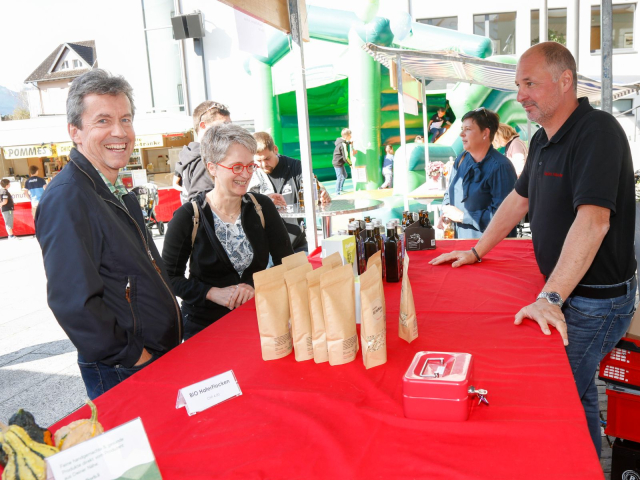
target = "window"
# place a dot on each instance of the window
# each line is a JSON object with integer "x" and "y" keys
{"x": 556, "y": 22}
{"x": 444, "y": 22}
{"x": 622, "y": 19}
{"x": 163, "y": 56}
{"x": 77, "y": 64}
{"x": 500, "y": 28}
{"x": 65, "y": 65}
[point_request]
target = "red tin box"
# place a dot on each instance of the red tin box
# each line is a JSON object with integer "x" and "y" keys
{"x": 622, "y": 365}
{"x": 436, "y": 386}
{"x": 623, "y": 413}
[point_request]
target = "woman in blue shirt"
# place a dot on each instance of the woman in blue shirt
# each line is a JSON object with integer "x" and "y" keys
{"x": 481, "y": 177}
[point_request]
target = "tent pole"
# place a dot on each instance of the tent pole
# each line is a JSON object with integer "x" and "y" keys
{"x": 403, "y": 135}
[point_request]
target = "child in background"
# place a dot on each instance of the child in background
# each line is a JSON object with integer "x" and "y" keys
{"x": 387, "y": 168}
{"x": 6, "y": 200}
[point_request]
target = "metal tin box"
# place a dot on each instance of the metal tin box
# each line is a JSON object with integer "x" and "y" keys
{"x": 436, "y": 386}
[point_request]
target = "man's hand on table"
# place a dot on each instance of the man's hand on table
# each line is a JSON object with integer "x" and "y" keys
{"x": 277, "y": 199}
{"x": 458, "y": 258}
{"x": 545, "y": 314}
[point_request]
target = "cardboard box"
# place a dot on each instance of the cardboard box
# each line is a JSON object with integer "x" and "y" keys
{"x": 419, "y": 238}
{"x": 345, "y": 245}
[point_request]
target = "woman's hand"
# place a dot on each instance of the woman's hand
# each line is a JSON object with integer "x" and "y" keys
{"x": 232, "y": 296}
{"x": 452, "y": 213}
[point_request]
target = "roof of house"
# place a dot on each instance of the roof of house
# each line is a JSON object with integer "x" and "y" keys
{"x": 86, "y": 50}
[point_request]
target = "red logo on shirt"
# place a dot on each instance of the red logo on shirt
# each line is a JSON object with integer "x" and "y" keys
{"x": 552, "y": 174}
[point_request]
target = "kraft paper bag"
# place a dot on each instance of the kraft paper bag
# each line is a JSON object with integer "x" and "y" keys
{"x": 319, "y": 335}
{"x": 297, "y": 289}
{"x": 295, "y": 260}
{"x": 376, "y": 259}
{"x": 408, "y": 327}
{"x": 334, "y": 260}
{"x": 373, "y": 328}
{"x": 339, "y": 309}
{"x": 272, "y": 308}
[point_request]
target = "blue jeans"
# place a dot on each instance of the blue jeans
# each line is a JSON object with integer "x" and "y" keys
{"x": 341, "y": 176}
{"x": 99, "y": 377}
{"x": 436, "y": 132}
{"x": 594, "y": 327}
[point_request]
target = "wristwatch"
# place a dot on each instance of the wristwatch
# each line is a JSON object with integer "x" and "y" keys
{"x": 553, "y": 298}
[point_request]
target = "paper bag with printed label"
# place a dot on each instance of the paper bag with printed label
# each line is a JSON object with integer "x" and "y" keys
{"x": 295, "y": 260}
{"x": 319, "y": 334}
{"x": 408, "y": 327}
{"x": 334, "y": 260}
{"x": 296, "y": 281}
{"x": 373, "y": 328}
{"x": 272, "y": 307}
{"x": 339, "y": 309}
{"x": 376, "y": 259}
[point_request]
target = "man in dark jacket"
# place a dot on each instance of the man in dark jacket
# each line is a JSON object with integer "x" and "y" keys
{"x": 107, "y": 285}
{"x": 190, "y": 175}
{"x": 340, "y": 157}
{"x": 280, "y": 179}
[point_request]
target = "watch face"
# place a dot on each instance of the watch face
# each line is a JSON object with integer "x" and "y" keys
{"x": 554, "y": 298}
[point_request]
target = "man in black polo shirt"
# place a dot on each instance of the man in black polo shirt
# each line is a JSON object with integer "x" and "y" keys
{"x": 578, "y": 188}
{"x": 280, "y": 178}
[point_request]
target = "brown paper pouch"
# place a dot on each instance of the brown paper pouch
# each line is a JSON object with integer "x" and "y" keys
{"x": 339, "y": 309}
{"x": 408, "y": 327}
{"x": 376, "y": 259}
{"x": 319, "y": 338}
{"x": 373, "y": 329}
{"x": 296, "y": 281}
{"x": 334, "y": 260}
{"x": 272, "y": 307}
{"x": 295, "y": 260}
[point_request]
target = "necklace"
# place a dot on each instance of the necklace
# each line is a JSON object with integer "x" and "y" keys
{"x": 231, "y": 217}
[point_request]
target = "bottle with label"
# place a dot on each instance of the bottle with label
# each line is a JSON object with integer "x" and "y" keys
{"x": 449, "y": 230}
{"x": 392, "y": 255}
{"x": 301, "y": 196}
{"x": 405, "y": 219}
{"x": 354, "y": 229}
{"x": 370, "y": 244}
{"x": 380, "y": 243}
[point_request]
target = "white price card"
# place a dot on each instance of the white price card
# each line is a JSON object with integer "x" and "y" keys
{"x": 202, "y": 395}
{"x": 122, "y": 452}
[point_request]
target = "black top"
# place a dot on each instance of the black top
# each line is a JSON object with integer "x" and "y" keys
{"x": 286, "y": 179}
{"x": 439, "y": 121}
{"x": 338, "y": 153}
{"x": 587, "y": 162}
{"x": 209, "y": 265}
{"x": 193, "y": 172}
{"x": 5, "y": 195}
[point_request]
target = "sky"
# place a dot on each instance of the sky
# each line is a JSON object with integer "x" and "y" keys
{"x": 31, "y": 29}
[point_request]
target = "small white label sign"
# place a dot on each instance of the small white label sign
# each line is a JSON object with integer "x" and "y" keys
{"x": 122, "y": 452}
{"x": 202, "y": 395}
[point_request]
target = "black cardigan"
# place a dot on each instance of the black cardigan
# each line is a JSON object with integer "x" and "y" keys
{"x": 209, "y": 265}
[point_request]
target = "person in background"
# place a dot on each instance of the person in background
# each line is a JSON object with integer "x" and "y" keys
{"x": 387, "y": 167}
{"x": 514, "y": 148}
{"x": 6, "y": 201}
{"x": 106, "y": 283}
{"x": 578, "y": 187}
{"x": 280, "y": 177}
{"x": 340, "y": 157}
{"x": 236, "y": 233}
{"x": 481, "y": 177}
{"x": 34, "y": 188}
{"x": 418, "y": 139}
{"x": 437, "y": 125}
{"x": 190, "y": 175}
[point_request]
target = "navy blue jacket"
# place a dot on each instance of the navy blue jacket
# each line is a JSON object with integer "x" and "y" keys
{"x": 107, "y": 285}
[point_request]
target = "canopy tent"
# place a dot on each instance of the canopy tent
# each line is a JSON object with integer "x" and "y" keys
{"x": 454, "y": 66}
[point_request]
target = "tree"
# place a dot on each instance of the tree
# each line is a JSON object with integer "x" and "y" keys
{"x": 20, "y": 113}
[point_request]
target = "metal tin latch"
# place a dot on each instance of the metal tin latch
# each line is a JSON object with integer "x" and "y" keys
{"x": 439, "y": 371}
{"x": 481, "y": 393}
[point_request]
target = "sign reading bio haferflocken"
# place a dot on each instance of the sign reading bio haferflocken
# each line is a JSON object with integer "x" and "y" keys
{"x": 121, "y": 453}
{"x": 202, "y": 395}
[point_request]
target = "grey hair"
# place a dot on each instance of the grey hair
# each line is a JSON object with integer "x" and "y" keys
{"x": 98, "y": 82}
{"x": 217, "y": 140}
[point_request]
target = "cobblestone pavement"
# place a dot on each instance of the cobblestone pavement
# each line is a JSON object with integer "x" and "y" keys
{"x": 38, "y": 369}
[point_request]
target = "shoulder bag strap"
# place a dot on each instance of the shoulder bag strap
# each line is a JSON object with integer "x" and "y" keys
{"x": 258, "y": 208}
{"x": 196, "y": 221}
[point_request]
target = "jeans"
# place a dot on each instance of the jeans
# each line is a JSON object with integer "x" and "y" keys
{"x": 99, "y": 377}
{"x": 388, "y": 177}
{"x": 341, "y": 176}
{"x": 594, "y": 327}
{"x": 436, "y": 132}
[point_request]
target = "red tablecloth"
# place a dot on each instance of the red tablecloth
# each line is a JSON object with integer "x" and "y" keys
{"x": 22, "y": 221}
{"x": 168, "y": 202}
{"x": 307, "y": 420}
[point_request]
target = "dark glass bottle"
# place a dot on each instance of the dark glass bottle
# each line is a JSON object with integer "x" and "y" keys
{"x": 301, "y": 196}
{"x": 370, "y": 244}
{"x": 392, "y": 255}
{"x": 405, "y": 219}
{"x": 380, "y": 243}
{"x": 318, "y": 190}
{"x": 367, "y": 219}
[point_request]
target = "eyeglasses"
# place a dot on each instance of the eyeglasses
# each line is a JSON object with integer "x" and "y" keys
{"x": 217, "y": 105}
{"x": 238, "y": 168}
{"x": 483, "y": 110}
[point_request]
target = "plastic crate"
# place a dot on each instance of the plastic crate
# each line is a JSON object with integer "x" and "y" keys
{"x": 623, "y": 413}
{"x": 622, "y": 365}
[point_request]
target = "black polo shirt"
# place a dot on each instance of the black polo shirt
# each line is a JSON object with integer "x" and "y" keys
{"x": 587, "y": 162}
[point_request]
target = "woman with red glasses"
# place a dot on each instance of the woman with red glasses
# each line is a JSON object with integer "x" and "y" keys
{"x": 225, "y": 235}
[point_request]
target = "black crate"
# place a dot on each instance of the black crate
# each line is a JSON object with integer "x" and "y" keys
{"x": 625, "y": 461}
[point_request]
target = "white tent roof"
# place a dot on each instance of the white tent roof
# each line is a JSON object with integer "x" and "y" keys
{"x": 457, "y": 67}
